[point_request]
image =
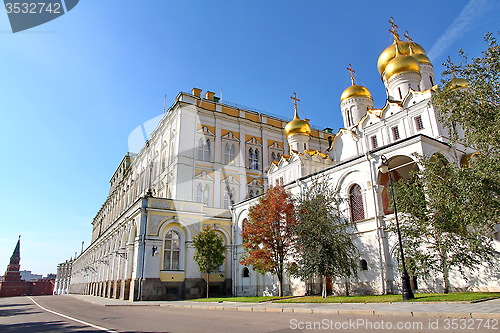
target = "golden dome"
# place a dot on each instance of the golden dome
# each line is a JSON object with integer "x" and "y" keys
{"x": 458, "y": 83}
{"x": 355, "y": 90}
{"x": 401, "y": 63}
{"x": 422, "y": 58}
{"x": 390, "y": 53}
{"x": 296, "y": 126}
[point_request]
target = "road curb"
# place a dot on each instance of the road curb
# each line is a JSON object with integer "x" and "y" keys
{"x": 330, "y": 311}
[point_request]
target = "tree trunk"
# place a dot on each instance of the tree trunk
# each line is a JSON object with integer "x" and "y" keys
{"x": 323, "y": 292}
{"x": 280, "y": 284}
{"x": 347, "y": 286}
{"x": 446, "y": 278}
{"x": 208, "y": 278}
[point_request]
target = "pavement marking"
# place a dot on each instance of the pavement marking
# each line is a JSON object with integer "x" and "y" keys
{"x": 74, "y": 319}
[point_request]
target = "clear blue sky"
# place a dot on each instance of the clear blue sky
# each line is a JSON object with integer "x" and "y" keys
{"x": 73, "y": 89}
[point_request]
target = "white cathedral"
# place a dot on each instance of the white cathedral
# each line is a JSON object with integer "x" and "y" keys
{"x": 208, "y": 161}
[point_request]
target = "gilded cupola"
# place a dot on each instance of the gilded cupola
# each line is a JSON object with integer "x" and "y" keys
{"x": 456, "y": 82}
{"x": 400, "y": 48}
{"x": 354, "y": 90}
{"x": 401, "y": 63}
{"x": 297, "y": 125}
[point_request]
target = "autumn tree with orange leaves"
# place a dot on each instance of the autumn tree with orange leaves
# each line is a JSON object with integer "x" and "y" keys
{"x": 268, "y": 236}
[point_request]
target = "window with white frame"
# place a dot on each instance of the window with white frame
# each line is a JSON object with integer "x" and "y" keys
{"x": 229, "y": 153}
{"x": 172, "y": 251}
{"x": 202, "y": 193}
{"x": 253, "y": 158}
{"x": 204, "y": 150}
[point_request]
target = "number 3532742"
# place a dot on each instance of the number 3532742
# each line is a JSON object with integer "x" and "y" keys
{"x": 32, "y": 7}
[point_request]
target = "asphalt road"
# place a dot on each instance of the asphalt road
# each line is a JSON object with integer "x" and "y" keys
{"x": 67, "y": 314}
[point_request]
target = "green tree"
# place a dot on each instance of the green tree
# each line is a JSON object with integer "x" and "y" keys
{"x": 209, "y": 253}
{"x": 450, "y": 209}
{"x": 325, "y": 248}
{"x": 439, "y": 231}
{"x": 477, "y": 107}
{"x": 471, "y": 112}
{"x": 268, "y": 237}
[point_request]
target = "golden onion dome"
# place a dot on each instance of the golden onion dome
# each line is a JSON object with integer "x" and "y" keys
{"x": 458, "y": 83}
{"x": 297, "y": 126}
{"x": 400, "y": 64}
{"x": 390, "y": 53}
{"x": 355, "y": 90}
{"x": 422, "y": 58}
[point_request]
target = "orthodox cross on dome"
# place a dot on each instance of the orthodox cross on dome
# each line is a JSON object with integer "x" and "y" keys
{"x": 295, "y": 104}
{"x": 351, "y": 73}
{"x": 407, "y": 36}
{"x": 394, "y": 29}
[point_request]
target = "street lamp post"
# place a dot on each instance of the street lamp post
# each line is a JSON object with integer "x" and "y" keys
{"x": 406, "y": 286}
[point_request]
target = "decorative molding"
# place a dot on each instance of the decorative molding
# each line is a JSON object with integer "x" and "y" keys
{"x": 230, "y": 136}
{"x": 253, "y": 141}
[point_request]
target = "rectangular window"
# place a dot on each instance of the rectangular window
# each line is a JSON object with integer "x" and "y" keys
{"x": 418, "y": 123}
{"x": 395, "y": 133}
{"x": 374, "y": 141}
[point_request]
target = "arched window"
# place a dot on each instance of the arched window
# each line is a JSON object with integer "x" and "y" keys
{"x": 273, "y": 156}
{"x": 202, "y": 194}
{"x": 244, "y": 223}
{"x": 204, "y": 150}
{"x": 363, "y": 265}
{"x": 171, "y": 251}
{"x": 246, "y": 272}
{"x": 253, "y": 157}
{"x": 356, "y": 203}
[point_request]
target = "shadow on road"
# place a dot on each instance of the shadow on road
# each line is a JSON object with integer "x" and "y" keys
{"x": 16, "y": 310}
{"x": 51, "y": 326}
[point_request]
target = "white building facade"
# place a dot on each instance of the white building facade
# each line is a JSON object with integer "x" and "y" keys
{"x": 207, "y": 161}
{"x": 203, "y": 157}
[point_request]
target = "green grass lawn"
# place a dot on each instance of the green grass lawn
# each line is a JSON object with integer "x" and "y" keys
{"x": 434, "y": 297}
{"x": 251, "y": 299}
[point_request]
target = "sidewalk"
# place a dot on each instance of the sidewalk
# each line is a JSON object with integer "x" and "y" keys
{"x": 483, "y": 310}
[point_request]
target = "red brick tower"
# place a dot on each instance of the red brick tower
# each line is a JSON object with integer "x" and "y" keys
{"x": 11, "y": 284}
